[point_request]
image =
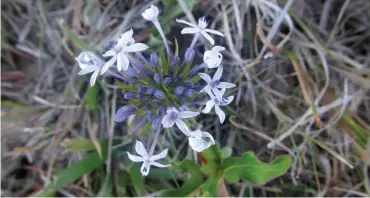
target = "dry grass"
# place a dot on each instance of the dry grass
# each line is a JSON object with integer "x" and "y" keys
{"x": 302, "y": 70}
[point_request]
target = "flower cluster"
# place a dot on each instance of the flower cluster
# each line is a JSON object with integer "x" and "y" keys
{"x": 164, "y": 89}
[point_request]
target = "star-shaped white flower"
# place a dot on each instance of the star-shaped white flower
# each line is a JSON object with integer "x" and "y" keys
{"x": 200, "y": 28}
{"x": 151, "y": 14}
{"x": 216, "y": 101}
{"x": 118, "y": 52}
{"x": 146, "y": 158}
{"x": 89, "y": 63}
{"x": 212, "y": 58}
{"x": 173, "y": 116}
{"x": 213, "y": 84}
{"x": 196, "y": 141}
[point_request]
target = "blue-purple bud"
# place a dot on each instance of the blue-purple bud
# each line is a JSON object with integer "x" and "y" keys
{"x": 157, "y": 123}
{"x": 141, "y": 89}
{"x": 189, "y": 55}
{"x": 159, "y": 94}
{"x": 140, "y": 95}
{"x": 124, "y": 112}
{"x": 189, "y": 85}
{"x": 179, "y": 79}
{"x": 129, "y": 95}
{"x": 167, "y": 80}
{"x": 150, "y": 91}
{"x": 137, "y": 65}
{"x": 148, "y": 107}
{"x": 179, "y": 90}
{"x": 183, "y": 108}
{"x": 189, "y": 92}
{"x": 157, "y": 78}
{"x": 131, "y": 72}
{"x": 174, "y": 61}
{"x": 154, "y": 59}
{"x": 196, "y": 69}
{"x": 150, "y": 115}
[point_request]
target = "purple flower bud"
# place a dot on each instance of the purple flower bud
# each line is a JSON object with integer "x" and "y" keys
{"x": 150, "y": 115}
{"x": 140, "y": 95}
{"x": 129, "y": 95}
{"x": 159, "y": 94}
{"x": 179, "y": 79}
{"x": 122, "y": 77}
{"x": 131, "y": 72}
{"x": 183, "y": 108}
{"x": 141, "y": 89}
{"x": 157, "y": 123}
{"x": 137, "y": 65}
{"x": 162, "y": 110}
{"x": 167, "y": 80}
{"x": 189, "y": 55}
{"x": 196, "y": 69}
{"x": 179, "y": 90}
{"x": 189, "y": 85}
{"x": 124, "y": 112}
{"x": 157, "y": 78}
{"x": 148, "y": 107}
{"x": 150, "y": 91}
{"x": 154, "y": 59}
{"x": 174, "y": 61}
{"x": 189, "y": 92}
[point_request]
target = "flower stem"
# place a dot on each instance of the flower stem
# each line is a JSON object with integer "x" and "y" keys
{"x": 154, "y": 143}
{"x": 195, "y": 39}
{"x": 159, "y": 28}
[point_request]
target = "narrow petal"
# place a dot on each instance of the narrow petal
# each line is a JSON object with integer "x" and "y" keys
{"x": 145, "y": 168}
{"x": 228, "y": 100}
{"x": 161, "y": 155}
{"x": 208, "y": 135}
{"x": 218, "y": 48}
{"x": 156, "y": 164}
{"x": 208, "y": 37}
{"x": 209, "y": 106}
{"x": 136, "y": 47}
{"x": 124, "y": 61}
{"x": 220, "y": 113}
{"x": 225, "y": 85}
{"x": 218, "y": 93}
{"x": 167, "y": 122}
{"x": 172, "y": 109}
{"x": 182, "y": 126}
{"x": 188, "y": 114}
{"x": 88, "y": 69}
{"x": 214, "y": 32}
{"x": 195, "y": 142}
{"x": 205, "y": 77}
{"x": 190, "y": 30}
{"x": 185, "y": 22}
{"x": 218, "y": 73}
{"x": 125, "y": 38}
{"x": 109, "y": 53}
{"x": 93, "y": 78}
{"x": 140, "y": 149}
{"x": 108, "y": 64}
{"x": 135, "y": 158}
{"x": 197, "y": 134}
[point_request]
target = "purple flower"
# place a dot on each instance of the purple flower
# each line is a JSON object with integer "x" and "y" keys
{"x": 179, "y": 90}
{"x": 141, "y": 89}
{"x": 131, "y": 72}
{"x": 154, "y": 60}
{"x": 189, "y": 85}
{"x": 157, "y": 78}
{"x": 159, "y": 94}
{"x": 129, "y": 95}
{"x": 150, "y": 91}
{"x": 140, "y": 95}
{"x": 167, "y": 80}
{"x": 124, "y": 112}
{"x": 189, "y": 92}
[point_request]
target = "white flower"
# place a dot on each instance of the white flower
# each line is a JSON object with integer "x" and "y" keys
{"x": 146, "y": 158}
{"x": 151, "y": 14}
{"x": 197, "y": 143}
{"x": 118, "y": 52}
{"x": 89, "y": 63}
{"x": 200, "y": 28}
{"x": 175, "y": 117}
{"x": 212, "y": 58}
{"x": 214, "y": 84}
{"x": 217, "y": 101}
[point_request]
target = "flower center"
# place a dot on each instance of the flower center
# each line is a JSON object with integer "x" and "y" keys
{"x": 174, "y": 116}
{"x": 215, "y": 83}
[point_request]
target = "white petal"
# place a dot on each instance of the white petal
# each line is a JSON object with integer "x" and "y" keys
{"x": 167, "y": 122}
{"x": 218, "y": 48}
{"x": 93, "y": 78}
{"x": 197, "y": 134}
{"x": 161, "y": 155}
{"x": 182, "y": 126}
{"x": 156, "y": 164}
{"x": 145, "y": 168}
{"x": 208, "y": 135}
{"x": 205, "y": 77}
{"x": 109, "y": 53}
{"x": 88, "y": 69}
{"x": 218, "y": 93}
{"x": 208, "y": 37}
{"x": 209, "y": 106}
{"x": 135, "y": 158}
{"x": 190, "y": 30}
{"x": 185, "y": 22}
{"x": 222, "y": 92}
{"x": 188, "y": 114}
{"x": 220, "y": 113}
{"x": 225, "y": 85}
{"x": 228, "y": 100}
{"x": 214, "y": 32}
{"x": 140, "y": 149}
{"x": 108, "y": 64}
{"x": 122, "y": 61}
{"x": 218, "y": 73}
{"x": 125, "y": 38}
{"x": 172, "y": 109}
{"x": 136, "y": 47}
{"x": 195, "y": 142}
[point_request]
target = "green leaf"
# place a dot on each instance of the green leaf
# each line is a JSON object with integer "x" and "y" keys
{"x": 248, "y": 167}
{"x": 73, "y": 37}
{"x": 175, "y": 10}
{"x": 191, "y": 185}
{"x": 210, "y": 188}
{"x": 226, "y": 152}
{"x": 137, "y": 180}
{"x": 78, "y": 144}
{"x": 92, "y": 97}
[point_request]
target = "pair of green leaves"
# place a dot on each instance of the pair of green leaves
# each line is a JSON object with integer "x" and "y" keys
{"x": 219, "y": 166}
